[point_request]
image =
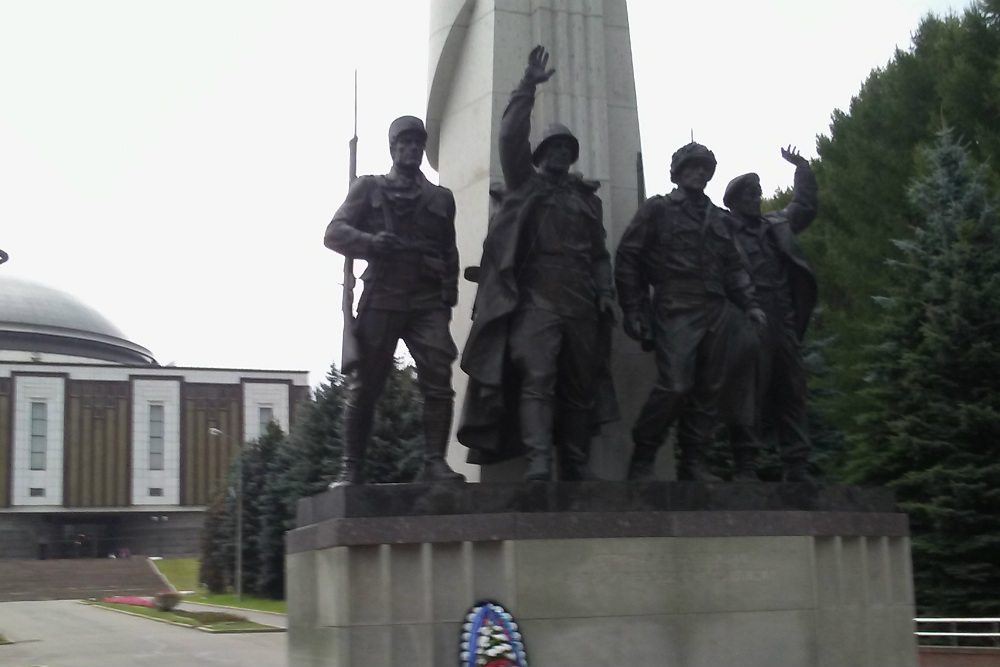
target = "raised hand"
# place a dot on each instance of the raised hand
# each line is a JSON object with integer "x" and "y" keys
{"x": 792, "y": 155}
{"x": 537, "y": 70}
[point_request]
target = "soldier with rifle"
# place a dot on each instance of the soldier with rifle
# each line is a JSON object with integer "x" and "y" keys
{"x": 404, "y": 227}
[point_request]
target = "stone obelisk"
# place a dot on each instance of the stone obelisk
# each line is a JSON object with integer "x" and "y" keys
{"x": 477, "y": 54}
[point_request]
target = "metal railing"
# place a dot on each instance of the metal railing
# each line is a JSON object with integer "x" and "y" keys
{"x": 974, "y": 632}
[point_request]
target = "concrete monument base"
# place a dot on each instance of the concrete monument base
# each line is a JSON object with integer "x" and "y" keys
{"x": 604, "y": 574}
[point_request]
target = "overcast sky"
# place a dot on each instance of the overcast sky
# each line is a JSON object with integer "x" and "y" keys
{"x": 174, "y": 164}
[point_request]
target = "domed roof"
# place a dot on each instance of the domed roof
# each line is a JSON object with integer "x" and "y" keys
{"x": 37, "y": 318}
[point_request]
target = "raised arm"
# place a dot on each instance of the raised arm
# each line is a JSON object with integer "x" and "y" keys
{"x": 805, "y": 200}
{"x": 515, "y": 127}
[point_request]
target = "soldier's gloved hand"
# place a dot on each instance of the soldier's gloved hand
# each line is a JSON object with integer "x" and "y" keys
{"x": 636, "y": 327}
{"x": 608, "y": 309}
{"x": 386, "y": 243}
{"x": 537, "y": 70}
{"x": 757, "y": 319}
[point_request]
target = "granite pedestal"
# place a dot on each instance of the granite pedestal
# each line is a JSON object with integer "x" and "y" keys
{"x": 604, "y": 574}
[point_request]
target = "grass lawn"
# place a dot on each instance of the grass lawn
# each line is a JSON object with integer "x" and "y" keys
{"x": 248, "y": 601}
{"x": 183, "y": 574}
{"x": 213, "y": 620}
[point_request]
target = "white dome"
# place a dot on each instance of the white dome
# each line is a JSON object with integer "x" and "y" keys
{"x": 37, "y": 318}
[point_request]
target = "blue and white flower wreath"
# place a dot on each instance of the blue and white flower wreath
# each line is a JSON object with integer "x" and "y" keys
{"x": 490, "y": 638}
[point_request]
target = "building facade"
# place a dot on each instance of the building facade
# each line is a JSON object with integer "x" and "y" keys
{"x": 103, "y": 450}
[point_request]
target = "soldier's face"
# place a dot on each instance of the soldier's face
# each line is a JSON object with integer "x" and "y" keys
{"x": 408, "y": 150}
{"x": 694, "y": 176}
{"x": 558, "y": 156}
{"x": 748, "y": 203}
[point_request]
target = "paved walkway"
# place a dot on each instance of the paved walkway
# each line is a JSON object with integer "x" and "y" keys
{"x": 62, "y": 633}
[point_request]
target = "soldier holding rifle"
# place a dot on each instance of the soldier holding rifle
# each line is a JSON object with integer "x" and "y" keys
{"x": 404, "y": 227}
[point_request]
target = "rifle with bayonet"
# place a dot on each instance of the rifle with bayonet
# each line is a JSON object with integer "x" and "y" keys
{"x": 350, "y": 353}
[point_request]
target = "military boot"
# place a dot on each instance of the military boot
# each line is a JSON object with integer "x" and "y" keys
{"x": 536, "y": 431}
{"x": 352, "y": 460}
{"x": 797, "y": 471}
{"x": 694, "y": 437}
{"x": 642, "y": 466}
{"x": 745, "y": 460}
{"x": 745, "y": 447}
{"x": 437, "y": 428}
{"x": 573, "y": 444}
{"x": 691, "y": 466}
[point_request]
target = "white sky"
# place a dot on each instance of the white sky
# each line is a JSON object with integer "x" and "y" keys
{"x": 174, "y": 164}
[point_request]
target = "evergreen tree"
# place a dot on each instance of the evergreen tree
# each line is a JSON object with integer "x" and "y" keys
{"x": 263, "y": 520}
{"x": 951, "y": 71}
{"x": 396, "y": 446}
{"x": 932, "y": 431}
{"x": 215, "y": 571}
{"x": 279, "y": 471}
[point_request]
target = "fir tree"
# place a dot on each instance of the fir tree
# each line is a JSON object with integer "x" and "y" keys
{"x": 278, "y": 471}
{"x": 932, "y": 432}
{"x": 216, "y": 541}
{"x": 867, "y": 160}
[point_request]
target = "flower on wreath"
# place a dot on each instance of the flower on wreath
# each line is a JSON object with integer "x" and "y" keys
{"x": 490, "y": 638}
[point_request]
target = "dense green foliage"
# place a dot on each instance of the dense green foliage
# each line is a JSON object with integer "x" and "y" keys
{"x": 279, "y": 470}
{"x": 951, "y": 73}
{"x": 932, "y": 428}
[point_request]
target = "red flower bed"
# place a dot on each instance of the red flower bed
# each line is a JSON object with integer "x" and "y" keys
{"x": 130, "y": 599}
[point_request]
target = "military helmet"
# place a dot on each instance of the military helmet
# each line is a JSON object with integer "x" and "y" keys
{"x": 736, "y": 187}
{"x": 406, "y": 124}
{"x": 691, "y": 152}
{"x": 552, "y": 131}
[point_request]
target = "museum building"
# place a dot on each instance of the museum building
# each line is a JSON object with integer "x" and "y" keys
{"x": 103, "y": 450}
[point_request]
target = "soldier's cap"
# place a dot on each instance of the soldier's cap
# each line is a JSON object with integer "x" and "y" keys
{"x": 692, "y": 152}
{"x": 553, "y": 131}
{"x": 406, "y": 124}
{"x": 736, "y": 186}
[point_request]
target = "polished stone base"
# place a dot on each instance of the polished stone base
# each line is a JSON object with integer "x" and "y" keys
{"x": 604, "y": 574}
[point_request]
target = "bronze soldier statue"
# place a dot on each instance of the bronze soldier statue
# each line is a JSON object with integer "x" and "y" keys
{"x": 404, "y": 226}
{"x": 545, "y": 303}
{"x": 786, "y": 288}
{"x": 679, "y": 246}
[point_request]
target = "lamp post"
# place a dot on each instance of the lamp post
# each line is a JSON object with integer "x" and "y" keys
{"x": 238, "y": 582}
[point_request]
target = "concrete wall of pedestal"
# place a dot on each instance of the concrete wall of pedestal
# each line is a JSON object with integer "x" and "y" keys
{"x": 680, "y": 601}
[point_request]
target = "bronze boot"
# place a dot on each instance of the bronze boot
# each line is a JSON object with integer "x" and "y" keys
{"x": 437, "y": 428}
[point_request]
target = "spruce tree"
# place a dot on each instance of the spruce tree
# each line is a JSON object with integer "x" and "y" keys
{"x": 278, "y": 471}
{"x": 932, "y": 431}
{"x": 867, "y": 160}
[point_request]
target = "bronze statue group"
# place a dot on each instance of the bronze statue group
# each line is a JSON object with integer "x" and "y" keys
{"x": 720, "y": 297}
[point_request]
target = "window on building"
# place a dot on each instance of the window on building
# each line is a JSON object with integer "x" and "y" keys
{"x": 156, "y": 490}
{"x": 39, "y": 434}
{"x": 155, "y": 436}
{"x": 266, "y": 417}
{"x": 36, "y": 492}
